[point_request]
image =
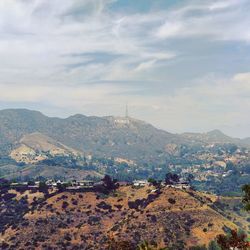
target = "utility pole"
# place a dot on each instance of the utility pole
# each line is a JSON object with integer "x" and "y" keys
{"x": 126, "y": 112}
{"x": 126, "y": 115}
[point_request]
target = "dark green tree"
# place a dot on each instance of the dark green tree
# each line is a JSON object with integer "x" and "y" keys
{"x": 152, "y": 181}
{"x": 246, "y": 196}
{"x": 171, "y": 178}
{"x": 43, "y": 187}
{"x": 213, "y": 245}
{"x": 109, "y": 183}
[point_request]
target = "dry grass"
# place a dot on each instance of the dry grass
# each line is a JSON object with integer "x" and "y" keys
{"x": 189, "y": 218}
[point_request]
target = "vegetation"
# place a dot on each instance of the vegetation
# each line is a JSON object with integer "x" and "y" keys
{"x": 43, "y": 187}
{"x": 144, "y": 215}
{"x": 109, "y": 183}
{"x": 246, "y": 196}
{"x": 171, "y": 178}
{"x": 234, "y": 240}
{"x": 213, "y": 245}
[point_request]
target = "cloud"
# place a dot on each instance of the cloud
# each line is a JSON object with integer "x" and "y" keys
{"x": 91, "y": 56}
{"x": 243, "y": 77}
{"x": 145, "y": 65}
{"x": 208, "y": 20}
{"x": 210, "y": 103}
{"x": 223, "y": 4}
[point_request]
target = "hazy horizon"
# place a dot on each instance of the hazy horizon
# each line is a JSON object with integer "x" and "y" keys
{"x": 181, "y": 66}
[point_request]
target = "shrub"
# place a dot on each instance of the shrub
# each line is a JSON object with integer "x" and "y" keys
{"x": 120, "y": 245}
{"x": 203, "y": 247}
{"x": 171, "y": 201}
{"x": 104, "y": 206}
{"x": 65, "y": 204}
{"x": 213, "y": 245}
{"x": 233, "y": 240}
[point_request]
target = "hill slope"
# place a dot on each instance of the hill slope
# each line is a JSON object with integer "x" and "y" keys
{"x": 104, "y": 136}
{"x": 169, "y": 217}
{"x": 214, "y": 136}
{"x": 36, "y": 147}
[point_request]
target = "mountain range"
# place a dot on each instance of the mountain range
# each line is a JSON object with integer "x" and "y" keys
{"x": 108, "y": 136}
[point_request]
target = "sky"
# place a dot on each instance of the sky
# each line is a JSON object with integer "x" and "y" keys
{"x": 181, "y": 65}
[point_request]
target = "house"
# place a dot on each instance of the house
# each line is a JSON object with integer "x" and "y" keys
{"x": 140, "y": 183}
{"x": 180, "y": 185}
{"x": 86, "y": 183}
{"x": 53, "y": 183}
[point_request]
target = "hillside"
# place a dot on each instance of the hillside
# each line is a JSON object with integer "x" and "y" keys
{"x": 103, "y": 136}
{"x": 214, "y": 136}
{"x": 48, "y": 172}
{"x": 36, "y": 147}
{"x": 167, "y": 217}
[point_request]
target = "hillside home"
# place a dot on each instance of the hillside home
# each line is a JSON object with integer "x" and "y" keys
{"x": 180, "y": 185}
{"x": 140, "y": 183}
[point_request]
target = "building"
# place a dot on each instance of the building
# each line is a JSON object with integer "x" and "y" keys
{"x": 140, "y": 183}
{"x": 180, "y": 185}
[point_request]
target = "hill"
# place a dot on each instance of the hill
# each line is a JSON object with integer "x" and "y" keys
{"x": 36, "y": 147}
{"x": 103, "y": 136}
{"x": 214, "y": 136}
{"x": 71, "y": 220}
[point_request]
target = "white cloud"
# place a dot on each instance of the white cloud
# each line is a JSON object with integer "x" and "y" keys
{"x": 222, "y": 20}
{"x": 211, "y": 103}
{"x": 145, "y": 65}
{"x": 170, "y": 29}
{"x": 223, "y": 4}
{"x": 243, "y": 77}
{"x": 75, "y": 54}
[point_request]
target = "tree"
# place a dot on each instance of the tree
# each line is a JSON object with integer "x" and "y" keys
{"x": 109, "y": 183}
{"x": 4, "y": 183}
{"x": 235, "y": 240}
{"x": 190, "y": 178}
{"x": 152, "y": 181}
{"x": 171, "y": 178}
{"x": 213, "y": 245}
{"x": 43, "y": 187}
{"x": 246, "y": 196}
{"x": 61, "y": 186}
{"x": 31, "y": 183}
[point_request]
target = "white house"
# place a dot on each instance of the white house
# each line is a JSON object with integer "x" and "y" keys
{"x": 140, "y": 183}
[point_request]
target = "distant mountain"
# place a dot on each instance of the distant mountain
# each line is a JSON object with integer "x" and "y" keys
{"x": 214, "y": 136}
{"x": 246, "y": 141}
{"x": 103, "y": 136}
